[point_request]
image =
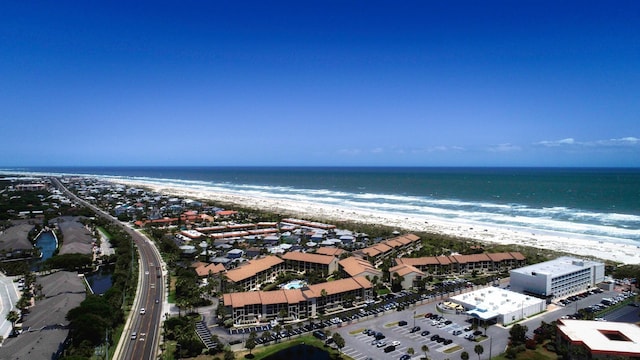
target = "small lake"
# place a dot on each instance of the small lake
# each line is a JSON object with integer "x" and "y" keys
{"x": 47, "y": 243}
{"x": 301, "y": 351}
{"x": 100, "y": 281}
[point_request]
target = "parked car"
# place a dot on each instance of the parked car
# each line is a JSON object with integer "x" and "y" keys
{"x": 389, "y": 349}
{"x": 381, "y": 343}
{"x": 402, "y": 323}
{"x": 414, "y": 329}
{"x": 395, "y": 343}
{"x": 425, "y": 333}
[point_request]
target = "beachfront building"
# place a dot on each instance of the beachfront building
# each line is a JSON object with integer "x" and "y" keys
{"x": 251, "y": 274}
{"x": 397, "y": 246}
{"x": 465, "y": 264}
{"x": 296, "y": 304}
{"x": 494, "y": 304}
{"x": 557, "y": 278}
{"x": 304, "y": 262}
{"x": 598, "y": 339}
{"x": 354, "y": 266}
{"x": 407, "y": 275}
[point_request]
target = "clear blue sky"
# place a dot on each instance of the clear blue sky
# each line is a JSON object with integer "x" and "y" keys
{"x": 409, "y": 83}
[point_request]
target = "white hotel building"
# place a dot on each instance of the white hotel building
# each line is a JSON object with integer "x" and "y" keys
{"x": 557, "y": 278}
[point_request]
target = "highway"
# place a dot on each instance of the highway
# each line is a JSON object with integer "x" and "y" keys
{"x": 149, "y": 294}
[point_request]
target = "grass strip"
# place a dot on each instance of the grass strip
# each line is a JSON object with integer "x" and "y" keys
{"x": 391, "y": 324}
{"x": 452, "y": 349}
{"x": 355, "y": 332}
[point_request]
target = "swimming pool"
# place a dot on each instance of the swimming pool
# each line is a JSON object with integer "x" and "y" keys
{"x": 295, "y": 284}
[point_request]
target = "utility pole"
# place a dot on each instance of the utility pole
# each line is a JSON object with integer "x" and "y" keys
{"x": 106, "y": 344}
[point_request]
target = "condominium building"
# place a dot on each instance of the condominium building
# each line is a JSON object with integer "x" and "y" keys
{"x": 399, "y": 245}
{"x": 557, "y": 278}
{"x": 303, "y": 262}
{"x": 296, "y": 304}
{"x": 463, "y": 264}
{"x": 253, "y": 273}
{"x": 355, "y": 266}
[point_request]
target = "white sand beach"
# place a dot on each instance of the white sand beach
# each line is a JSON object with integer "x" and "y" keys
{"x": 578, "y": 244}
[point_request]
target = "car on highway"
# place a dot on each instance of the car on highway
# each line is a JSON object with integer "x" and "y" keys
{"x": 134, "y": 335}
{"x": 142, "y": 311}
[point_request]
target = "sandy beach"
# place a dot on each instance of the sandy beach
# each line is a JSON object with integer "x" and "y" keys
{"x": 577, "y": 244}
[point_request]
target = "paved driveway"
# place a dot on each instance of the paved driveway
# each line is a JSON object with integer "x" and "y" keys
{"x": 8, "y": 298}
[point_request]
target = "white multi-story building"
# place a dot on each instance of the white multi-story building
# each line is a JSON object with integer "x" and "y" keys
{"x": 557, "y": 278}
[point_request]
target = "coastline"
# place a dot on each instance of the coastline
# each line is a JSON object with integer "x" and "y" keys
{"x": 578, "y": 244}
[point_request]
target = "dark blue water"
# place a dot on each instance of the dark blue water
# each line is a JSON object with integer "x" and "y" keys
{"x": 602, "y": 203}
{"x": 46, "y": 241}
{"x": 100, "y": 281}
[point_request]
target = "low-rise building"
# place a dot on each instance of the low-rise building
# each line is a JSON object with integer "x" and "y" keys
{"x": 463, "y": 264}
{"x": 598, "y": 339}
{"x": 409, "y": 275}
{"x": 303, "y": 262}
{"x": 355, "y": 266}
{"x": 296, "y": 304}
{"x": 252, "y": 273}
{"x": 499, "y": 305}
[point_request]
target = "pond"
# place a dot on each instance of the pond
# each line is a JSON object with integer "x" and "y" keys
{"x": 47, "y": 243}
{"x": 100, "y": 281}
{"x": 300, "y": 351}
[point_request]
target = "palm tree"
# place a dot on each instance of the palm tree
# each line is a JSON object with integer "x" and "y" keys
{"x": 425, "y": 350}
{"x": 410, "y": 351}
{"x": 478, "y": 349}
{"x": 13, "y": 317}
{"x": 277, "y": 329}
{"x": 289, "y": 329}
{"x": 464, "y": 355}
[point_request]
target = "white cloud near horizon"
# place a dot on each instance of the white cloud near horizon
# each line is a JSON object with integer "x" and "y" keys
{"x": 619, "y": 142}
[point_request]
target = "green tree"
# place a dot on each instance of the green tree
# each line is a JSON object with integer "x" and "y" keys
{"x": 266, "y": 335}
{"x": 425, "y": 350}
{"x": 478, "y": 349}
{"x": 276, "y": 330}
{"x": 13, "y": 317}
{"x": 251, "y": 341}
{"x": 410, "y": 351}
{"x": 289, "y": 329}
{"x": 518, "y": 334}
{"x": 464, "y": 355}
{"x": 339, "y": 341}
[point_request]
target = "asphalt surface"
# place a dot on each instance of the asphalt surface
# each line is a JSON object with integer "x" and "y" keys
{"x": 151, "y": 287}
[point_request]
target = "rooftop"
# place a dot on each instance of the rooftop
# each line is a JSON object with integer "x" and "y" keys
{"x": 252, "y": 267}
{"x": 308, "y": 257}
{"x": 559, "y": 266}
{"x": 610, "y": 337}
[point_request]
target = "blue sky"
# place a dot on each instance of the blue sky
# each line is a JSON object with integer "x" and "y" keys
{"x": 416, "y": 83}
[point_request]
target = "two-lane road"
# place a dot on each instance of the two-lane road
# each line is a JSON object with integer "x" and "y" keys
{"x": 149, "y": 295}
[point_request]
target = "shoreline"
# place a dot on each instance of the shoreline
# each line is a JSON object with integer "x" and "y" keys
{"x": 578, "y": 244}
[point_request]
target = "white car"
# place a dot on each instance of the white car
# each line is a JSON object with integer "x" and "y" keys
{"x": 381, "y": 344}
{"x": 142, "y": 311}
{"x": 395, "y": 343}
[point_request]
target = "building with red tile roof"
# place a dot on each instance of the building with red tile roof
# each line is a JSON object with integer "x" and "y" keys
{"x": 297, "y": 304}
{"x": 303, "y": 262}
{"x": 355, "y": 266}
{"x": 253, "y": 273}
{"x": 399, "y": 245}
{"x": 330, "y": 250}
{"x": 410, "y": 275}
{"x": 461, "y": 264}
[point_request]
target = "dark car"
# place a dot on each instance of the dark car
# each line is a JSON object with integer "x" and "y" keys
{"x": 319, "y": 334}
{"x": 468, "y": 328}
{"x": 389, "y": 348}
{"x": 425, "y": 333}
{"x": 405, "y": 357}
{"x": 414, "y": 329}
{"x": 448, "y": 341}
{"x": 440, "y": 339}
{"x": 428, "y": 315}
{"x": 448, "y": 322}
{"x": 402, "y": 323}
{"x": 435, "y": 337}
{"x": 380, "y": 336}
{"x": 477, "y": 332}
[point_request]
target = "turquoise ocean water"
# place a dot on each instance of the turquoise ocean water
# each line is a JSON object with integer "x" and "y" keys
{"x": 596, "y": 202}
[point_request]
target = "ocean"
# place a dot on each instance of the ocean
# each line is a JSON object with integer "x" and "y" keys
{"x": 595, "y": 202}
